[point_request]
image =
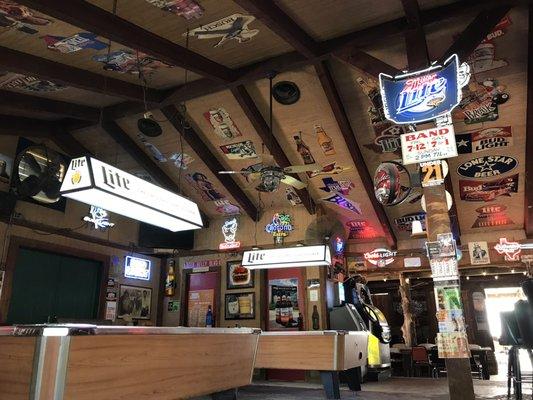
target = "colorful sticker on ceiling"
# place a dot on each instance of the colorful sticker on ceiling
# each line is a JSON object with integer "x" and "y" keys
{"x": 181, "y": 160}
{"x": 484, "y": 139}
{"x": 225, "y": 207}
{"x": 487, "y": 167}
{"x": 71, "y": 44}
{"x": 239, "y": 150}
{"x": 483, "y": 58}
{"x": 343, "y": 202}
{"x": 324, "y": 141}
{"x": 21, "y": 18}
{"x": 130, "y": 61}
{"x": 328, "y": 169}
{"x": 29, "y": 83}
{"x": 360, "y": 229}
{"x": 480, "y": 102}
{"x": 233, "y": 27}
{"x": 405, "y": 223}
{"x": 488, "y": 191}
{"x": 341, "y": 186}
{"x": 492, "y": 215}
{"x": 156, "y": 154}
{"x": 202, "y": 185}
{"x": 222, "y": 123}
{"x": 292, "y": 196}
{"x": 188, "y": 9}
{"x": 387, "y": 140}
{"x": 303, "y": 149}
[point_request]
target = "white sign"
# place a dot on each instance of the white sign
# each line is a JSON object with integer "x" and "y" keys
{"x": 98, "y": 184}
{"x": 380, "y": 257}
{"x": 428, "y": 145}
{"x": 479, "y": 253}
{"x": 511, "y": 250}
{"x": 99, "y": 218}
{"x": 444, "y": 268}
{"x": 412, "y": 262}
{"x": 137, "y": 268}
{"x": 110, "y": 310}
{"x": 304, "y": 256}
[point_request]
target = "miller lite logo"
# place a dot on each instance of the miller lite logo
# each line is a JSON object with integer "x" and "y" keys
{"x": 422, "y": 94}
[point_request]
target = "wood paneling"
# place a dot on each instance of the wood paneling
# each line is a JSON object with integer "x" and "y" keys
{"x": 16, "y": 366}
{"x": 162, "y": 367}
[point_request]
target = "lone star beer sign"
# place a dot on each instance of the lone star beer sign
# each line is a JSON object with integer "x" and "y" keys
{"x": 511, "y": 250}
{"x": 423, "y": 95}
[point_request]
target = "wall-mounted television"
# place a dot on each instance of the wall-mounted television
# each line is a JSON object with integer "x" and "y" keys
{"x": 159, "y": 238}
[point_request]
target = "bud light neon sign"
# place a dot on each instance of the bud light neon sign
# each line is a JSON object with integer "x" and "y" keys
{"x": 423, "y": 95}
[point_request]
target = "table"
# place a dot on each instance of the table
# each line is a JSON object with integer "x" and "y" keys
{"x": 330, "y": 352}
{"x": 71, "y": 362}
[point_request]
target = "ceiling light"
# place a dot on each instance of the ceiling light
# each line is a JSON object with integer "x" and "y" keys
{"x": 512, "y": 271}
{"x": 407, "y": 280}
{"x": 496, "y": 277}
{"x": 484, "y": 273}
{"x": 148, "y": 126}
{"x": 524, "y": 273}
{"x": 99, "y": 184}
{"x": 467, "y": 278}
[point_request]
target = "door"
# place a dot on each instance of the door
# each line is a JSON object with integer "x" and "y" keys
{"x": 48, "y": 286}
{"x": 202, "y": 292}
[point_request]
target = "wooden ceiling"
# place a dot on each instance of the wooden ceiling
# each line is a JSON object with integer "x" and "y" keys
{"x": 325, "y": 47}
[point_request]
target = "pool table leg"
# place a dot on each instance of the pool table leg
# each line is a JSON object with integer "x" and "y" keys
{"x": 226, "y": 395}
{"x": 331, "y": 383}
{"x": 352, "y": 377}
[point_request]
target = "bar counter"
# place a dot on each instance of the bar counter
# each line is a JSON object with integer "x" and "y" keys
{"x": 87, "y": 362}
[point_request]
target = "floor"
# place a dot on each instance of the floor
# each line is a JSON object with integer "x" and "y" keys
{"x": 391, "y": 389}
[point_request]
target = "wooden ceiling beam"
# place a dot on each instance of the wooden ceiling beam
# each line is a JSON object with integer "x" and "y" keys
{"x": 68, "y": 143}
{"x": 475, "y": 32}
{"x": 282, "y": 25}
{"x": 415, "y": 37}
{"x": 528, "y": 203}
{"x": 26, "y": 102}
{"x": 261, "y": 127}
{"x": 337, "y": 107}
{"x": 27, "y": 64}
{"x": 22, "y": 126}
{"x": 210, "y": 160}
{"x": 94, "y": 19}
{"x": 365, "y": 62}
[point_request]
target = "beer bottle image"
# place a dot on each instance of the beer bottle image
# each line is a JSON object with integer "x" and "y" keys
{"x": 278, "y": 310}
{"x": 170, "y": 283}
{"x": 209, "y": 320}
{"x": 302, "y": 148}
{"x": 324, "y": 141}
{"x": 301, "y": 322}
{"x": 316, "y": 319}
{"x": 290, "y": 311}
{"x": 284, "y": 311}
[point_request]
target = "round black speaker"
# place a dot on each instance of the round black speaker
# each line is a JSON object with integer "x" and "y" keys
{"x": 286, "y": 92}
{"x": 149, "y": 127}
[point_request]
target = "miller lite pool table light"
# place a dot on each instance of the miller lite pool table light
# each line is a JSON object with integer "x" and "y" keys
{"x": 99, "y": 184}
{"x": 424, "y": 95}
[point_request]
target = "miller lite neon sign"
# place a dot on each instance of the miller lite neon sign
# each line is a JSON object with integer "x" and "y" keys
{"x": 423, "y": 95}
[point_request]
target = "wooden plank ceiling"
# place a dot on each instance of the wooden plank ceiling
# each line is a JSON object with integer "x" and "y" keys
{"x": 326, "y": 47}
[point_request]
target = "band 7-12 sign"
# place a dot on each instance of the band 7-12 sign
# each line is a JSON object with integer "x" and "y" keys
{"x": 427, "y": 145}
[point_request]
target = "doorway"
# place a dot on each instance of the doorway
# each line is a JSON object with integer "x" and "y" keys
{"x": 202, "y": 292}
{"x": 499, "y": 300}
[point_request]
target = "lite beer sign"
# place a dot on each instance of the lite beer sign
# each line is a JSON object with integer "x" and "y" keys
{"x": 427, "y": 145}
{"x": 380, "y": 257}
{"x": 423, "y": 95}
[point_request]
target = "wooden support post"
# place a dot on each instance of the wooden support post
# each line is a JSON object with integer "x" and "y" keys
{"x": 460, "y": 382}
{"x": 408, "y": 327}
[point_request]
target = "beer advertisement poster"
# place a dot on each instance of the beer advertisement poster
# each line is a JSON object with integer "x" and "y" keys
{"x": 239, "y": 306}
{"x": 283, "y": 304}
{"x": 479, "y": 253}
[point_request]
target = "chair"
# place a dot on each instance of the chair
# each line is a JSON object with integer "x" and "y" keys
{"x": 420, "y": 359}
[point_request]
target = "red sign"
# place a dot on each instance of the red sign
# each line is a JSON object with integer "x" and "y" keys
{"x": 229, "y": 245}
{"x": 510, "y": 249}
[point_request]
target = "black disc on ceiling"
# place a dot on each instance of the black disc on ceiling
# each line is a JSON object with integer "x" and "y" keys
{"x": 149, "y": 127}
{"x": 286, "y": 92}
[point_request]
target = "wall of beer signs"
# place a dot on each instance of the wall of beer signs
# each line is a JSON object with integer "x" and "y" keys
{"x": 488, "y": 173}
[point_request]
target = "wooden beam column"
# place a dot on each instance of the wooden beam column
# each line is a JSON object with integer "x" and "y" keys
{"x": 528, "y": 209}
{"x": 408, "y": 330}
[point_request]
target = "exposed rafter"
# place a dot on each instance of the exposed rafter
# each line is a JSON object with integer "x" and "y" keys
{"x": 209, "y": 159}
{"x": 67, "y": 143}
{"x": 24, "y": 63}
{"x": 94, "y": 19}
{"x": 282, "y": 25}
{"x": 528, "y": 209}
{"x": 417, "y": 48}
{"x": 475, "y": 32}
{"x": 365, "y": 62}
{"x": 261, "y": 127}
{"x": 27, "y": 102}
{"x": 21, "y": 126}
{"x": 332, "y": 94}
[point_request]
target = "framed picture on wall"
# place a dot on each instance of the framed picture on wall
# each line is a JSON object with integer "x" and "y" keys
{"x": 134, "y": 302}
{"x": 238, "y": 277}
{"x": 239, "y": 306}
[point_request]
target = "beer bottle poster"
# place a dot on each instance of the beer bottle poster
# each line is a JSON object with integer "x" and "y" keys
{"x": 283, "y": 304}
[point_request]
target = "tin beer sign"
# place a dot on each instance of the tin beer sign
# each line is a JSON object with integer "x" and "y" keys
{"x": 423, "y": 95}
